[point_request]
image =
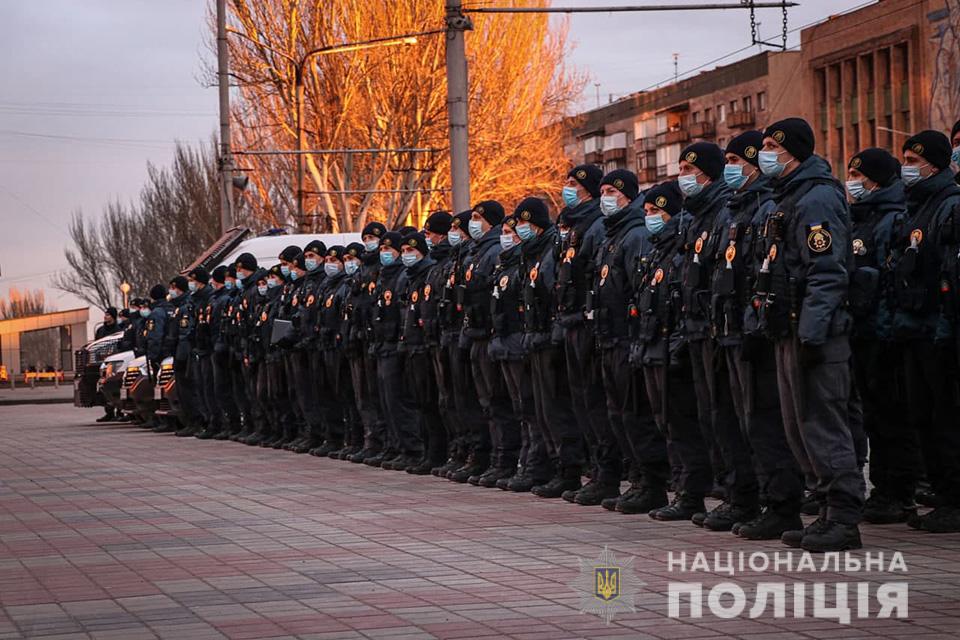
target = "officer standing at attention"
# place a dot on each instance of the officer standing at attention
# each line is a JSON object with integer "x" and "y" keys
{"x": 474, "y": 291}
{"x": 925, "y": 243}
{"x": 198, "y": 281}
{"x": 337, "y": 388}
{"x": 179, "y": 345}
{"x": 250, "y": 278}
{"x": 291, "y": 418}
{"x": 153, "y": 335}
{"x": 355, "y": 435}
{"x": 221, "y": 401}
{"x": 809, "y": 260}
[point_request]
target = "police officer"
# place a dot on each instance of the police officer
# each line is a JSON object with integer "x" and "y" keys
{"x": 198, "y": 281}
{"x": 151, "y": 341}
{"x": 555, "y": 422}
{"x": 355, "y": 435}
{"x": 219, "y": 398}
{"x": 230, "y": 330}
{"x": 291, "y": 419}
{"x": 955, "y": 151}
{"x": 808, "y": 264}
{"x": 337, "y": 388}
{"x": 474, "y": 291}
{"x": 307, "y": 368}
{"x": 750, "y": 361}
{"x": 924, "y": 245}
{"x": 405, "y": 444}
{"x": 416, "y": 324}
{"x": 252, "y": 279}
{"x": 179, "y": 346}
{"x": 270, "y": 381}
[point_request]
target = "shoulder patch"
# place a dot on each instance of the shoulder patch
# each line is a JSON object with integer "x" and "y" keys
{"x": 819, "y": 239}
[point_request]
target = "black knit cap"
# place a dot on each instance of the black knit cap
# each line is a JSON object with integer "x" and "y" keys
{"x": 232, "y": 271}
{"x": 317, "y": 247}
{"x": 589, "y": 176}
{"x": 932, "y": 146}
{"x": 391, "y": 239}
{"x": 354, "y": 249}
{"x": 246, "y": 261}
{"x": 794, "y": 135}
{"x": 491, "y": 211}
{"x": 180, "y": 283}
{"x": 299, "y": 262}
{"x": 438, "y": 222}
{"x": 336, "y": 251}
{"x": 666, "y": 196}
{"x": 415, "y": 240}
{"x": 158, "y": 292}
{"x": 290, "y": 253}
{"x": 373, "y": 229}
{"x": 111, "y": 311}
{"x": 509, "y": 221}
{"x": 406, "y": 230}
{"x": 877, "y": 164}
{"x": 747, "y": 145}
{"x": 219, "y": 274}
{"x": 955, "y": 130}
{"x": 276, "y": 271}
{"x": 705, "y": 156}
{"x": 533, "y": 210}
{"x": 200, "y": 275}
{"x": 461, "y": 220}
{"x": 623, "y": 181}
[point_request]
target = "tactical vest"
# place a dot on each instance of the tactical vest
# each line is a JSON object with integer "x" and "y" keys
{"x": 611, "y": 300}
{"x": 576, "y": 270}
{"x": 699, "y": 249}
{"x": 386, "y": 318}
{"x": 330, "y": 317}
{"x": 506, "y": 304}
{"x": 537, "y": 301}
{"x": 732, "y": 278}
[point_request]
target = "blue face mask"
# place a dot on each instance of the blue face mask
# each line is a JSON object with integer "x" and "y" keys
{"x": 476, "y": 229}
{"x": 506, "y": 241}
{"x": 262, "y": 289}
{"x": 525, "y": 231}
{"x": 371, "y": 245}
{"x": 454, "y": 238}
{"x": 655, "y": 223}
{"x": 351, "y": 267}
{"x": 173, "y": 293}
{"x": 856, "y": 189}
{"x": 285, "y": 270}
{"x": 293, "y": 275}
{"x": 609, "y": 206}
{"x": 144, "y": 313}
{"x": 429, "y": 243}
{"x": 192, "y": 286}
{"x": 910, "y": 175}
{"x": 733, "y": 176}
{"x": 570, "y": 197}
{"x": 955, "y": 156}
{"x": 689, "y": 185}
{"x": 770, "y": 163}
{"x": 410, "y": 259}
{"x": 241, "y": 276}
{"x": 228, "y": 285}
{"x": 387, "y": 258}
{"x": 311, "y": 264}
{"x": 273, "y": 283}
{"x": 331, "y": 269}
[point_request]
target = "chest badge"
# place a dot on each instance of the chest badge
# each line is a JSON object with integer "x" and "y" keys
{"x": 371, "y": 287}
{"x": 296, "y": 301}
{"x": 657, "y": 277}
{"x": 772, "y": 254}
{"x": 415, "y": 296}
{"x": 329, "y": 302}
{"x": 534, "y": 273}
{"x": 469, "y": 275}
{"x": 604, "y": 273}
{"x": 426, "y": 292}
{"x": 504, "y": 281}
{"x": 916, "y": 237}
{"x": 571, "y": 252}
{"x": 263, "y": 317}
{"x": 730, "y": 254}
{"x": 858, "y": 247}
{"x": 387, "y": 297}
{"x": 311, "y": 300}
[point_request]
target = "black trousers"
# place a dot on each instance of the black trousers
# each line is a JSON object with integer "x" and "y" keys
{"x": 327, "y": 402}
{"x": 208, "y": 388}
{"x": 495, "y": 402}
{"x": 257, "y": 415}
{"x": 363, "y": 374}
{"x": 342, "y": 410}
{"x": 555, "y": 416}
{"x": 446, "y": 405}
{"x": 931, "y": 374}
{"x": 264, "y": 385}
{"x": 522, "y": 442}
{"x": 631, "y": 417}
{"x": 189, "y": 391}
{"x": 398, "y": 405}
{"x": 422, "y": 385}
{"x": 588, "y": 401}
{"x": 238, "y": 384}
{"x": 473, "y": 428}
{"x": 223, "y": 390}
{"x": 303, "y": 377}
{"x": 296, "y": 420}
{"x": 756, "y": 397}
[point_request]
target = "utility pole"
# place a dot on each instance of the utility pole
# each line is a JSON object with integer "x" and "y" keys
{"x": 226, "y": 154}
{"x": 596, "y": 85}
{"x": 457, "y": 95}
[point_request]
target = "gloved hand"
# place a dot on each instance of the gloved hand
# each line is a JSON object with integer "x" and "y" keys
{"x": 810, "y": 355}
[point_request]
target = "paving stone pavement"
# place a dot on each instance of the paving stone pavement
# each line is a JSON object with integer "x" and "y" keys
{"x": 113, "y": 532}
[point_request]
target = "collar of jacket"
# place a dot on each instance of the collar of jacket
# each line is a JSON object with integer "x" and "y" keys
{"x": 922, "y": 191}
{"x": 625, "y": 216}
{"x": 541, "y": 244}
{"x": 708, "y": 199}
{"x": 586, "y": 209}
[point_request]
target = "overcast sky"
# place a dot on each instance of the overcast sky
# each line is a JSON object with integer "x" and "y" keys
{"x": 93, "y": 90}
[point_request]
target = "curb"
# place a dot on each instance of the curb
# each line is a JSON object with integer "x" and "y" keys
{"x": 9, "y": 403}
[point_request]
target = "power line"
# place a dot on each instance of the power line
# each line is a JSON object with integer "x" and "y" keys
{"x": 34, "y": 210}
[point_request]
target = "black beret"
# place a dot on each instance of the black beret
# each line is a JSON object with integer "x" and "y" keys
{"x": 247, "y": 261}
{"x": 461, "y": 220}
{"x": 275, "y": 270}
{"x": 299, "y": 262}
{"x": 232, "y": 271}
{"x": 666, "y": 196}
{"x": 111, "y": 311}
{"x": 932, "y": 146}
{"x": 589, "y": 176}
{"x": 158, "y": 292}
{"x": 180, "y": 283}
{"x": 747, "y": 145}
{"x": 200, "y": 275}
{"x": 623, "y": 181}
{"x": 705, "y": 156}
{"x": 415, "y": 240}
{"x": 533, "y": 210}
{"x": 336, "y": 251}
{"x": 955, "y": 130}
{"x": 391, "y": 239}
{"x": 438, "y": 222}
{"x": 219, "y": 274}
{"x": 877, "y": 164}
{"x": 290, "y": 253}
{"x": 373, "y": 229}
{"x": 794, "y": 135}
{"x": 355, "y": 249}
{"x": 491, "y": 211}
{"x": 316, "y": 246}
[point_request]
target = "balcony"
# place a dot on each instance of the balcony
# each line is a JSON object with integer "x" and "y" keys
{"x": 648, "y": 175}
{"x": 706, "y": 129}
{"x": 740, "y": 119}
{"x": 642, "y": 145}
{"x": 673, "y": 137}
{"x": 594, "y": 157}
{"x": 614, "y": 155}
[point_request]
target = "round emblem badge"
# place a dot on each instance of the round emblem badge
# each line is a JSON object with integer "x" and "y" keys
{"x": 731, "y": 253}
{"x": 371, "y": 287}
{"x": 533, "y": 274}
{"x": 661, "y": 201}
{"x": 469, "y": 276}
{"x": 504, "y": 281}
{"x": 387, "y": 297}
{"x": 415, "y": 296}
{"x": 571, "y": 252}
{"x": 658, "y": 276}
{"x": 263, "y": 317}
{"x": 698, "y": 245}
{"x": 329, "y": 302}
{"x": 772, "y": 254}
{"x": 311, "y": 300}
{"x": 819, "y": 240}
{"x": 296, "y": 300}
{"x": 426, "y": 292}
{"x": 858, "y": 247}
{"x": 916, "y": 237}
{"x": 605, "y": 271}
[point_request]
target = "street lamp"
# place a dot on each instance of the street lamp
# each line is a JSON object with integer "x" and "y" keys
{"x": 125, "y": 289}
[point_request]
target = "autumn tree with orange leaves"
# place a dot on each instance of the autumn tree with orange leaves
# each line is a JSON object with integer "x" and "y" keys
{"x": 391, "y": 98}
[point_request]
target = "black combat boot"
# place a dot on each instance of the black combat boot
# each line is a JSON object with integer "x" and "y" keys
{"x": 643, "y": 500}
{"x": 769, "y": 525}
{"x": 474, "y": 466}
{"x": 683, "y": 507}
{"x": 377, "y": 459}
{"x": 943, "y": 519}
{"x": 832, "y": 536}
{"x": 593, "y": 493}
{"x": 883, "y": 509}
{"x": 566, "y": 480}
{"x": 723, "y": 517}
{"x": 635, "y": 488}
{"x": 489, "y": 478}
{"x": 794, "y": 537}
{"x": 360, "y": 456}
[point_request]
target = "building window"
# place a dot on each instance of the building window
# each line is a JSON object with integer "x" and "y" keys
{"x": 747, "y": 104}
{"x": 722, "y": 143}
{"x": 762, "y": 101}
{"x": 696, "y": 116}
{"x": 707, "y": 114}
{"x": 721, "y": 113}
{"x": 734, "y": 106}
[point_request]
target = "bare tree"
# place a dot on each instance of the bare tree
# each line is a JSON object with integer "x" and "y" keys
{"x": 20, "y": 304}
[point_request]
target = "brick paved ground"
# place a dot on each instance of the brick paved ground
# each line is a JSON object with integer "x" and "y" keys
{"x": 114, "y": 532}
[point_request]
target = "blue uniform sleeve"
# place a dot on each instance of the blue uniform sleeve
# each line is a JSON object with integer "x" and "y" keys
{"x": 823, "y": 236}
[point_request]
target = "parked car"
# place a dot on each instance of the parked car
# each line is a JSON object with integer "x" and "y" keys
{"x": 87, "y": 361}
